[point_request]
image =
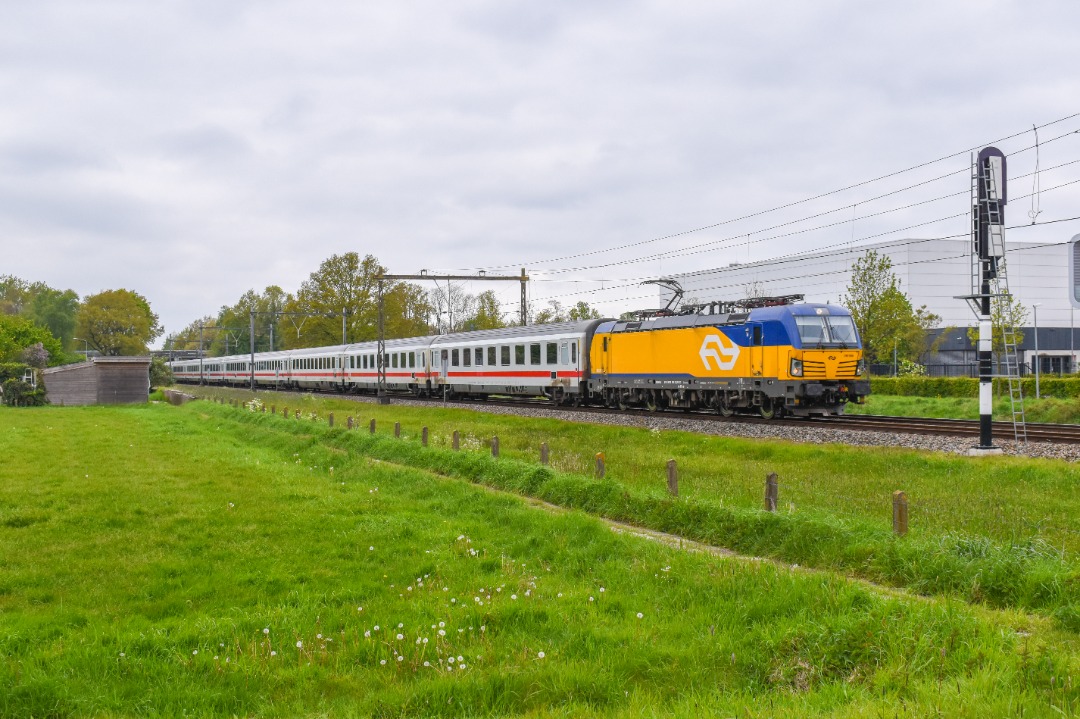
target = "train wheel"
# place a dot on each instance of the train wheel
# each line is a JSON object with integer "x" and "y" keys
{"x": 650, "y": 402}
{"x": 767, "y": 409}
{"x": 724, "y": 409}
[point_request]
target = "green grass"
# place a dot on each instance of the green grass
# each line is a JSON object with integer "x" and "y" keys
{"x": 1047, "y": 409}
{"x": 132, "y": 538}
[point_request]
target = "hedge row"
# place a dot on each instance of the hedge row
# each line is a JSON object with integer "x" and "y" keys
{"x": 1061, "y": 387}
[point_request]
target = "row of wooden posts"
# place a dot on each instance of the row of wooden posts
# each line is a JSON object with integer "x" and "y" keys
{"x": 772, "y": 484}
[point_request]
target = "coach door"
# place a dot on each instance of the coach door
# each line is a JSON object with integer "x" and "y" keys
{"x": 757, "y": 352}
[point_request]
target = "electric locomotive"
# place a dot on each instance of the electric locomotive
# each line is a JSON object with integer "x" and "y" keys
{"x": 774, "y": 358}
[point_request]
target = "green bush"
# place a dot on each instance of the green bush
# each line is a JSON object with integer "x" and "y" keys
{"x": 913, "y": 386}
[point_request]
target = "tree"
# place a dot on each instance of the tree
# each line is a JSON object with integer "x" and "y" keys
{"x": 161, "y": 375}
{"x": 342, "y": 282}
{"x": 18, "y": 334}
{"x": 1005, "y": 311}
{"x": 118, "y": 322}
{"x": 883, "y": 312}
{"x": 582, "y": 311}
{"x": 554, "y": 312}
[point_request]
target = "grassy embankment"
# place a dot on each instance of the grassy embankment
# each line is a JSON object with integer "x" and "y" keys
{"x": 1047, "y": 409}
{"x": 159, "y": 561}
{"x": 1004, "y": 532}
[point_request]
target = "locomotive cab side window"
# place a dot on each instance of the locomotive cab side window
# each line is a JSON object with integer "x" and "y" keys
{"x": 757, "y": 335}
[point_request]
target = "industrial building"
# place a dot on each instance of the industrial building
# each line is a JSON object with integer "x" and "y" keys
{"x": 932, "y": 273}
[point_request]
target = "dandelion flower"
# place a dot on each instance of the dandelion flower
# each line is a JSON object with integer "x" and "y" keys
{"x": 318, "y": 636}
{"x": 460, "y": 658}
{"x": 483, "y": 628}
{"x": 442, "y": 632}
{"x": 299, "y": 644}
{"x": 441, "y": 624}
{"x": 359, "y": 609}
{"x": 591, "y": 599}
{"x": 602, "y": 590}
{"x": 266, "y": 630}
{"x": 382, "y": 662}
{"x": 376, "y": 627}
{"x": 371, "y": 549}
{"x": 427, "y": 664}
{"x": 560, "y": 595}
{"x": 640, "y": 615}
{"x": 461, "y": 667}
{"x": 539, "y": 655}
{"x": 122, "y": 654}
{"x": 513, "y": 596}
{"x": 400, "y": 658}
{"x": 400, "y": 625}
{"x": 367, "y": 634}
{"x": 195, "y": 652}
{"x": 400, "y": 637}
{"x": 425, "y": 640}
{"x": 453, "y": 601}
{"x": 273, "y": 654}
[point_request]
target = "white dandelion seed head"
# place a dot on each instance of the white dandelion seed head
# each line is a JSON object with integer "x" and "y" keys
{"x": 441, "y": 624}
{"x": 560, "y": 595}
{"x": 453, "y": 600}
{"x": 400, "y": 637}
{"x": 400, "y": 625}
{"x": 195, "y": 652}
{"x": 513, "y": 596}
{"x": 367, "y": 633}
{"x": 640, "y": 615}
{"x": 273, "y": 654}
{"x": 591, "y": 599}
{"x": 539, "y": 655}
{"x": 427, "y": 664}
{"x": 400, "y": 658}
{"x": 318, "y": 636}
{"x": 425, "y": 640}
{"x": 266, "y": 630}
{"x": 376, "y": 627}
{"x": 382, "y": 662}
{"x": 602, "y": 590}
{"x": 299, "y": 644}
{"x": 442, "y": 632}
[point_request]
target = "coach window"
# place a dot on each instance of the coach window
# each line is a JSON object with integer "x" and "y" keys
{"x": 393, "y": 360}
{"x": 403, "y": 360}
{"x": 467, "y": 356}
{"x": 573, "y": 352}
{"x": 479, "y": 357}
{"x": 435, "y": 359}
{"x": 491, "y": 357}
{"x": 534, "y": 354}
{"x": 552, "y": 353}
{"x": 454, "y": 358}
{"x": 519, "y": 354}
{"x": 504, "y": 353}
{"x": 412, "y": 360}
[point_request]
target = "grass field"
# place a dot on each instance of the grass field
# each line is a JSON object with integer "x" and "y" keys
{"x": 1048, "y": 409}
{"x": 202, "y": 560}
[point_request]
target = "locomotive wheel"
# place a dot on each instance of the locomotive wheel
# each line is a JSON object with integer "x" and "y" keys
{"x": 724, "y": 409}
{"x": 767, "y": 409}
{"x": 650, "y": 402}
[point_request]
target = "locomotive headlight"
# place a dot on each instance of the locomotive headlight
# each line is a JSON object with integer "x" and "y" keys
{"x": 796, "y": 367}
{"x": 860, "y": 367}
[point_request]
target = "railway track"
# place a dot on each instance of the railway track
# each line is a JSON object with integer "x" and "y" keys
{"x": 1036, "y": 432}
{"x": 1003, "y": 431}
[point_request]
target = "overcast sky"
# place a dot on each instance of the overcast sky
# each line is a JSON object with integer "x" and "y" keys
{"x": 194, "y": 150}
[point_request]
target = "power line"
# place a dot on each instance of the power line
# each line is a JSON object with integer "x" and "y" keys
{"x": 790, "y": 204}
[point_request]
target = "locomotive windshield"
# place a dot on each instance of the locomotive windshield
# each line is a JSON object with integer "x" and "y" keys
{"x": 821, "y": 330}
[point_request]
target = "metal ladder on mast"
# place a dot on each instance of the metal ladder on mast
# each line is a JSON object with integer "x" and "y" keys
{"x": 999, "y": 291}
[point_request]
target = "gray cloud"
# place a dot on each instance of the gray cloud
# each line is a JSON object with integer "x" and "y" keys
{"x": 193, "y": 150}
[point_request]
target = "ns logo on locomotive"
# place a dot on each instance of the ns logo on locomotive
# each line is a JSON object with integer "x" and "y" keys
{"x": 769, "y": 356}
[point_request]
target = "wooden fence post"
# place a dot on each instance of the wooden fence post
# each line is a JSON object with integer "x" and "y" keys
{"x": 495, "y": 446}
{"x": 349, "y": 422}
{"x": 600, "y": 469}
{"x": 423, "y": 437}
{"x": 899, "y": 513}
{"x": 330, "y": 420}
{"x": 457, "y": 440}
{"x": 397, "y": 429}
{"x": 371, "y": 426}
{"x": 298, "y": 414}
{"x": 544, "y": 453}
{"x": 273, "y": 409}
{"x": 285, "y": 412}
{"x": 772, "y": 492}
{"x": 672, "y": 478}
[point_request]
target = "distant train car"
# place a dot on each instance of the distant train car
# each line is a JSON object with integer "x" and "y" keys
{"x": 796, "y": 359}
{"x": 532, "y": 361}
